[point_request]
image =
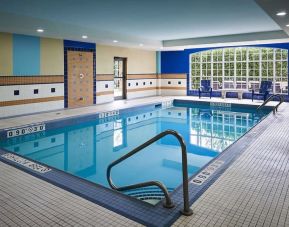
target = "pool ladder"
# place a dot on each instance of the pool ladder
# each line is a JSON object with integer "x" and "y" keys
{"x": 168, "y": 202}
{"x": 275, "y": 109}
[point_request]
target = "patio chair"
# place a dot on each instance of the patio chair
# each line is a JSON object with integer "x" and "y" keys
{"x": 265, "y": 88}
{"x": 205, "y": 88}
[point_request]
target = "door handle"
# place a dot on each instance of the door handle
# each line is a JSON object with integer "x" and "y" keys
{"x": 81, "y": 75}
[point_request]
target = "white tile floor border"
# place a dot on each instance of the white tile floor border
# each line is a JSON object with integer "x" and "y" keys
{"x": 29, "y": 201}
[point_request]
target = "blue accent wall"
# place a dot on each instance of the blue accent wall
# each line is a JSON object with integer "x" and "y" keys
{"x": 179, "y": 61}
{"x": 174, "y": 62}
{"x": 26, "y": 55}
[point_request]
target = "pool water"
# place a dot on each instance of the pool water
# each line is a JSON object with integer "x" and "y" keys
{"x": 85, "y": 150}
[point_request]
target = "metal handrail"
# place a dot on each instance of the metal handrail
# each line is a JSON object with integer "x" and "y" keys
{"x": 270, "y": 99}
{"x": 168, "y": 202}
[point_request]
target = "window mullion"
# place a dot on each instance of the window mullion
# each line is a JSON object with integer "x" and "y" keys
{"x": 274, "y": 70}
{"x": 247, "y": 68}
{"x": 260, "y": 65}
{"x": 212, "y": 79}
{"x": 223, "y": 68}
{"x": 235, "y": 69}
{"x": 201, "y": 68}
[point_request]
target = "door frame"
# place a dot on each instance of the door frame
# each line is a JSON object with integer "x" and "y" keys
{"x": 124, "y": 78}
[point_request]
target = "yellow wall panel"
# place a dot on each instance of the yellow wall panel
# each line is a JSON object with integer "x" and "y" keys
{"x": 6, "y": 62}
{"x": 138, "y": 61}
{"x": 51, "y": 57}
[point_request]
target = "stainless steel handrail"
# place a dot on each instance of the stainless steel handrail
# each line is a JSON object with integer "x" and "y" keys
{"x": 168, "y": 202}
{"x": 270, "y": 99}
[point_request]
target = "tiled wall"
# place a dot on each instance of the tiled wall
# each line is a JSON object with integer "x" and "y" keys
{"x": 173, "y": 84}
{"x": 28, "y": 94}
{"x": 104, "y": 88}
{"x": 142, "y": 85}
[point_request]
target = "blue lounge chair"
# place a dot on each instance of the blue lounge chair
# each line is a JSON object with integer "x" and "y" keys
{"x": 265, "y": 88}
{"x": 205, "y": 88}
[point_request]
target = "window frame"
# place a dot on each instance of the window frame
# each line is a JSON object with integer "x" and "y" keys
{"x": 254, "y": 60}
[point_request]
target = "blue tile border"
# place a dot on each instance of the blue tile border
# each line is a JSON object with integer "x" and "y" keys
{"x": 132, "y": 208}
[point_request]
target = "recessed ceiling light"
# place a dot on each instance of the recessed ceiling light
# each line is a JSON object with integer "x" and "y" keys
{"x": 115, "y": 41}
{"x": 84, "y": 36}
{"x": 282, "y": 13}
{"x": 140, "y": 44}
{"x": 40, "y": 30}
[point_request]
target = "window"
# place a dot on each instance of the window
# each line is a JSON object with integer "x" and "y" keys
{"x": 240, "y": 68}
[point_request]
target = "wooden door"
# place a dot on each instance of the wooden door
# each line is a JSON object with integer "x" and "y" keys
{"x": 80, "y": 78}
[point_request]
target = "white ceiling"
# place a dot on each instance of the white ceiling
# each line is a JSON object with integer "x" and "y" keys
{"x": 132, "y": 22}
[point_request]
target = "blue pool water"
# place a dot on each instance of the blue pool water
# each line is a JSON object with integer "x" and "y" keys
{"x": 85, "y": 150}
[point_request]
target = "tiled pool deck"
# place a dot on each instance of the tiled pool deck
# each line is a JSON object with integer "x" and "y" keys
{"x": 252, "y": 191}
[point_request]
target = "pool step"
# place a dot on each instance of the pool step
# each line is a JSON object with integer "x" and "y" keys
{"x": 148, "y": 194}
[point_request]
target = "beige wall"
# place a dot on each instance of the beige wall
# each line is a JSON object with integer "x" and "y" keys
{"x": 6, "y": 65}
{"x": 138, "y": 61}
{"x": 52, "y": 57}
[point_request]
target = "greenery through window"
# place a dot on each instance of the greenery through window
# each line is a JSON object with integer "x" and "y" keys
{"x": 240, "y": 68}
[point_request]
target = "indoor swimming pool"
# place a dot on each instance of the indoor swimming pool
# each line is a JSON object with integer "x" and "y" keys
{"x": 85, "y": 149}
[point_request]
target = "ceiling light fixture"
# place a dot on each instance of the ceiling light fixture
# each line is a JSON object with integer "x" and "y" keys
{"x": 287, "y": 25}
{"x": 84, "y": 36}
{"x": 115, "y": 41}
{"x": 40, "y": 30}
{"x": 280, "y": 14}
{"x": 140, "y": 44}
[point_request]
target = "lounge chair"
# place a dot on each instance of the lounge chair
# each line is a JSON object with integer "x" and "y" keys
{"x": 265, "y": 88}
{"x": 205, "y": 88}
